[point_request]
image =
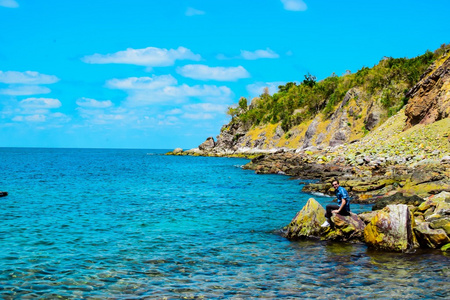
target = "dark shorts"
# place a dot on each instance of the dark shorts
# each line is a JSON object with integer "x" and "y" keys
{"x": 331, "y": 207}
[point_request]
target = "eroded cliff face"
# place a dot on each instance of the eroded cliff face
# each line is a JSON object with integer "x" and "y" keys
{"x": 430, "y": 97}
{"x": 352, "y": 118}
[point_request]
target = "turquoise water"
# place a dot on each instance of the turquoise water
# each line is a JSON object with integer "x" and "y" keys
{"x": 135, "y": 224}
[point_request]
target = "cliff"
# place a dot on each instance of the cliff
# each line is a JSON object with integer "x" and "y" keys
{"x": 371, "y": 113}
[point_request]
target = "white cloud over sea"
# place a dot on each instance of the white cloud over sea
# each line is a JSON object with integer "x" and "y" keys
{"x": 149, "y": 57}
{"x": 165, "y": 89}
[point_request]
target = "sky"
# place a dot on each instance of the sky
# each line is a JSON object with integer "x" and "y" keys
{"x": 155, "y": 74}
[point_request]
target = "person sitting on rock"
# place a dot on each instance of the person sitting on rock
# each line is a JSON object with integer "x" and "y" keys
{"x": 343, "y": 207}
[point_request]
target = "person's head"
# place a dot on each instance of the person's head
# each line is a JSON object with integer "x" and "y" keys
{"x": 335, "y": 183}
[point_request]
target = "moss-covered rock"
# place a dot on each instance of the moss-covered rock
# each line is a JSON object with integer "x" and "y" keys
{"x": 446, "y": 248}
{"x": 307, "y": 222}
{"x": 391, "y": 229}
{"x": 430, "y": 238}
{"x": 345, "y": 228}
{"x": 397, "y": 198}
{"x": 442, "y": 223}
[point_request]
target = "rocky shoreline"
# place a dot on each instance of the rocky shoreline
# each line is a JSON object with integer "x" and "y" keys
{"x": 413, "y": 198}
{"x": 397, "y": 162}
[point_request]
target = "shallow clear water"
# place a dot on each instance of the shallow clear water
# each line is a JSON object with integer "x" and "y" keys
{"x": 134, "y": 224}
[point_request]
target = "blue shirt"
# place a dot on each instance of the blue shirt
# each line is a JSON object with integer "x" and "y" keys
{"x": 342, "y": 193}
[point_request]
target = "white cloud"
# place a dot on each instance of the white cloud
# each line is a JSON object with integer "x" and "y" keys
{"x": 268, "y": 53}
{"x": 193, "y": 12}
{"x": 24, "y": 90}
{"x": 257, "y": 89}
{"x": 92, "y": 103}
{"x": 139, "y": 83}
{"x": 198, "y": 116}
{"x": 150, "y": 57}
{"x": 175, "y": 111}
{"x": 9, "y": 3}
{"x": 40, "y": 103}
{"x": 206, "y": 107}
{"x": 294, "y": 5}
{"x": 203, "y": 72}
{"x": 27, "y": 77}
{"x": 30, "y": 118}
{"x": 164, "y": 89}
{"x": 178, "y": 94}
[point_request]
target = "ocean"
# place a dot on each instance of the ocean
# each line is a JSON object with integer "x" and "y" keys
{"x": 136, "y": 224}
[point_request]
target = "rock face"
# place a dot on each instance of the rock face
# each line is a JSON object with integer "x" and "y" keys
{"x": 430, "y": 97}
{"x": 207, "y": 145}
{"x": 392, "y": 229}
{"x": 306, "y": 223}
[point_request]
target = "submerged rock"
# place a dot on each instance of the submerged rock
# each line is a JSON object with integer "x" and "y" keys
{"x": 392, "y": 229}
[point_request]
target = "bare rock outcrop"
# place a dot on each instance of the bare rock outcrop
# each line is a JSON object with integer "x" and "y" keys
{"x": 430, "y": 97}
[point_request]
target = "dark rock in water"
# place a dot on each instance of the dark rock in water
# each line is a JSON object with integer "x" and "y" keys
{"x": 3, "y": 194}
{"x": 397, "y": 198}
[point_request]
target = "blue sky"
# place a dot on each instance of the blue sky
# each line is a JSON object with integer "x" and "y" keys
{"x": 161, "y": 74}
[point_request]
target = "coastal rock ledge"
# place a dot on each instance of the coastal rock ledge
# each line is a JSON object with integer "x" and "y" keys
{"x": 392, "y": 228}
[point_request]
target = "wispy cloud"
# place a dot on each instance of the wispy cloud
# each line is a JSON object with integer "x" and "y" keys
{"x": 92, "y": 103}
{"x": 257, "y": 89}
{"x": 294, "y": 5}
{"x": 150, "y": 57}
{"x": 139, "y": 83}
{"x": 27, "y": 77}
{"x": 258, "y": 54}
{"x": 40, "y": 103}
{"x": 193, "y": 12}
{"x": 9, "y": 3}
{"x": 203, "y": 72}
{"x": 24, "y": 90}
{"x": 252, "y": 55}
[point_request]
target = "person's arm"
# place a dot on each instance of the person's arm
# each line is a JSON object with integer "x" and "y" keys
{"x": 344, "y": 201}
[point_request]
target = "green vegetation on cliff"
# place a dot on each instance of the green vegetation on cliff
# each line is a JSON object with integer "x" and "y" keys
{"x": 295, "y": 103}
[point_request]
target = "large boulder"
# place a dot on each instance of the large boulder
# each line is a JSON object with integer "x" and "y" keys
{"x": 397, "y": 198}
{"x": 430, "y": 238}
{"x": 345, "y": 228}
{"x": 392, "y": 229}
{"x": 306, "y": 223}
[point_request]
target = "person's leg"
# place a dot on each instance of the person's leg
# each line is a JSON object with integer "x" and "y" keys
{"x": 330, "y": 208}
